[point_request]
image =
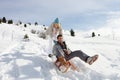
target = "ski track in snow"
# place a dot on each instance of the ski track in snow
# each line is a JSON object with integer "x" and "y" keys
{"x": 29, "y": 60}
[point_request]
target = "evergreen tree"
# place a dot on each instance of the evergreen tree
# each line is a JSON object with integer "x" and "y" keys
{"x": 26, "y": 36}
{"x": 72, "y": 32}
{"x": 36, "y": 23}
{"x": 98, "y": 34}
{"x": 93, "y": 34}
{"x": 45, "y": 28}
{"x": 25, "y": 25}
{"x": 10, "y": 21}
{"x": 33, "y": 31}
{"x": 4, "y": 20}
{"x": 0, "y": 21}
{"x": 20, "y": 22}
{"x": 29, "y": 23}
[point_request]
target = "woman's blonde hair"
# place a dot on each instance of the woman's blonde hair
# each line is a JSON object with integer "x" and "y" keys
{"x": 56, "y": 25}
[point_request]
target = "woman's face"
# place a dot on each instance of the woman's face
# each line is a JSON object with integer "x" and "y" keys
{"x": 56, "y": 26}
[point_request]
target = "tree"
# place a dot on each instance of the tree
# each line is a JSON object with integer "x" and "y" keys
{"x": 10, "y": 21}
{"x": 93, "y": 34}
{"x": 33, "y": 31}
{"x": 72, "y": 32}
{"x": 0, "y": 21}
{"x": 26, "y": 36}
{"x": 25, "y": 25}
{"x": 42, "y": 35}
{"x": 29, "y": 23}
{"x": 98, "y": 34}
{"x": 36, "y": 23}
{"x": 45, "y": 28}
{"x": 20, "y": 22}
{"x": 4, "y": 20}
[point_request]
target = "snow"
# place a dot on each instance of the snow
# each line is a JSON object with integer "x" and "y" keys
{"x": 28, "y": 60}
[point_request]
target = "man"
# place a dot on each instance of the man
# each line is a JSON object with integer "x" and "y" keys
{"x": 60, "y": 50}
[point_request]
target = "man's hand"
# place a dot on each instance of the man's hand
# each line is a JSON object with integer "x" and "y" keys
{"x": 66, "y": 51}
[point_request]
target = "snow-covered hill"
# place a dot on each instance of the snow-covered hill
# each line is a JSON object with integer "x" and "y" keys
{"x": 28, "y": 60}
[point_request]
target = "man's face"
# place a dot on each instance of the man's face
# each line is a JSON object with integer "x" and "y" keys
{"x": 60, "y": 39}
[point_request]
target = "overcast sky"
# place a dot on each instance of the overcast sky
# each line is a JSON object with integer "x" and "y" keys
{"x": 78, "y": 14}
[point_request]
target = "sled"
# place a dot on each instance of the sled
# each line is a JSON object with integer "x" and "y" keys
{"x": 64, "y": 65}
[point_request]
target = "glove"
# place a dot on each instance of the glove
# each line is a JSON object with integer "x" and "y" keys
{"x": 50, "y": 55}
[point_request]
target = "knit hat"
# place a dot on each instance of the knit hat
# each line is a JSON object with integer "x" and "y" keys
{"x": 56, "y": 21}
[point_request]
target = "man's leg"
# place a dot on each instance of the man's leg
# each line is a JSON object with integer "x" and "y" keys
{"x": 79, "y": 54}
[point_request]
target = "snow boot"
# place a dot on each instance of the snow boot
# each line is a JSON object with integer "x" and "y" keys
{"x": 92, "y": 59}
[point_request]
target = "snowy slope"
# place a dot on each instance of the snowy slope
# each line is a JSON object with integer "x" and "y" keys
{"x": 28, "y": 60}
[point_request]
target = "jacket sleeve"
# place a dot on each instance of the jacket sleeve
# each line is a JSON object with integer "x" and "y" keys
{"x": 60, "y": 30}
{"x": 58, "y": 51}
{"x": 49, "y": 31}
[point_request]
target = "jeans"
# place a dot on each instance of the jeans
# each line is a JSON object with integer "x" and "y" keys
{"x": 78, "y": 54}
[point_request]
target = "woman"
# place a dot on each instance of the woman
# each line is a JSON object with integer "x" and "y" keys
{"x": 54, "y": 30}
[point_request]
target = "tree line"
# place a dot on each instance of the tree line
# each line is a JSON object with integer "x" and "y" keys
{"x": 4, "y": 20}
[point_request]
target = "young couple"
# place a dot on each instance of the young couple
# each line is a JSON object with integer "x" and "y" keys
{"x": 60, "y": 48}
